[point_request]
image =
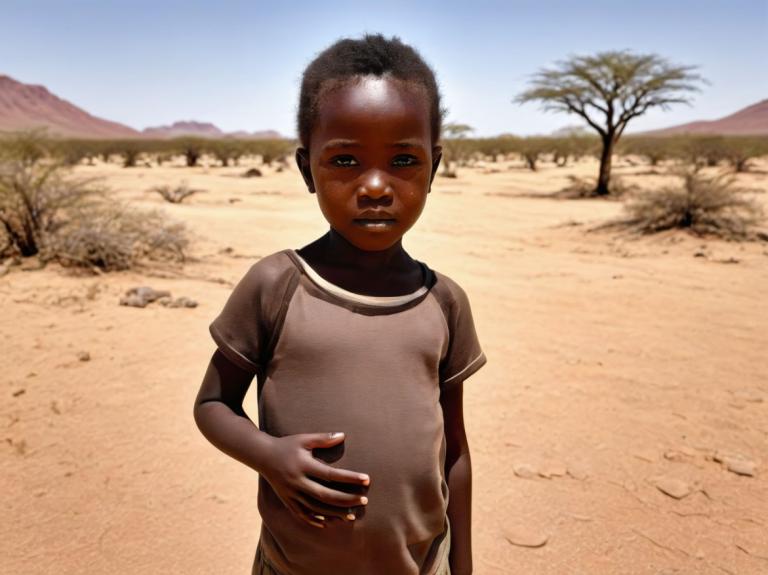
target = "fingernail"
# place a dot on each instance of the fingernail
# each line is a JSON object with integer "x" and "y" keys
{"x": 365, "y": 479}
{"x": 336, "y": 434}
{"x": 351, "y": 516}
{"x": 364, "y": 500}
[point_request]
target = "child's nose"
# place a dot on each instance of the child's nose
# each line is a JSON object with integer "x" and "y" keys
{"x": 375, "y": 185}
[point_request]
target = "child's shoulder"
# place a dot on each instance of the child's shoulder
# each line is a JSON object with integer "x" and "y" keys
{"x": 447, "y": 290}
{"x": 268, "y": 270}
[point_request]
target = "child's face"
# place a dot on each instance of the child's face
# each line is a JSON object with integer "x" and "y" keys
{"x": 371, "y": 160}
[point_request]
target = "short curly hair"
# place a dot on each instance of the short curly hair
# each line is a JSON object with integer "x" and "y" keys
{"x": 371, "y": 55}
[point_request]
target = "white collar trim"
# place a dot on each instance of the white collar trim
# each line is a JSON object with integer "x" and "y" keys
{"x": 356, "y": 297}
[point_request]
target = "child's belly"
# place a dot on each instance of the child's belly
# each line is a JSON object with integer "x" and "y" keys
{"x": 394, "y": 433}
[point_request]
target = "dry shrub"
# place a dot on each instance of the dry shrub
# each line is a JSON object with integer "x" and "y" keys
{"x": 114, "y": 236}
{"x": 45, "y": 212}
{"x": 175, "y": 195}
{"x": 33, "y": 200}
{"x": 702, "y": 205}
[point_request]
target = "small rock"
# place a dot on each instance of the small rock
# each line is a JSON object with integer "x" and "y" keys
{"x": 525, "y": 537}
{"x": 553, "y": 470}
{"x": 84, "y": 356}
{"x": 253, "y": 173}
{"x": 141, "y": 296}
{"x": 676, "y": 488}
{"x": 673, "y": 487}
{"x": 700, "y": 255}
{"x": 133, "y": 301}
{"x": 741, "y": 467}
{"x": 178, "y": 302}
{"x": 19, "y": 392}
{"x": 525, "y": 471}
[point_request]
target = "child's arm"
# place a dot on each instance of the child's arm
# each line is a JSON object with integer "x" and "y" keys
{"x": 286, "y": 462}
{"x": 458, "y": 469}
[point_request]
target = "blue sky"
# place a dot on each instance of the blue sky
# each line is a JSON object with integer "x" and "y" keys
{"x": 238, "y": 64}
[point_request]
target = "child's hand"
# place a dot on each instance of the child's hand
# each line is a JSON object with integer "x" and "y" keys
{"x": 291, "y": 468}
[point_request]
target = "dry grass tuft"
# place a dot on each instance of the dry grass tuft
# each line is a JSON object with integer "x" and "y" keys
{"x": 702, "y": 205}
{"x": 176, "y": 195}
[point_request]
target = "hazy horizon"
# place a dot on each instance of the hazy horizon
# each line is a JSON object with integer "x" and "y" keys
{"x": 239, "y": 66}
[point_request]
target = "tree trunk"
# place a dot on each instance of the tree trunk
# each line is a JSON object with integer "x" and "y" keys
{"x": 605, "y": 167}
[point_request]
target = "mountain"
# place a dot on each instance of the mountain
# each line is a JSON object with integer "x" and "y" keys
{"x": 752, "y": 120}
{"x": 204, "y": 130}
{"x": 184, "y": 128}
{"x": 26, "y": 106}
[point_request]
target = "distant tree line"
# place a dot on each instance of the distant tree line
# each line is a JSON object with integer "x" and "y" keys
{"x": 458, "y": 149}
{"x": 129, "y": 152}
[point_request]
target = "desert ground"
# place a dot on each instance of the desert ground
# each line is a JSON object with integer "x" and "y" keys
{"x": 619, "y": 427}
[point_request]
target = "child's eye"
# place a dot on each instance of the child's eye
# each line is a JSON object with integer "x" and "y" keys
{"x": 344, "y": 161}
{"x": 405, "y": 160}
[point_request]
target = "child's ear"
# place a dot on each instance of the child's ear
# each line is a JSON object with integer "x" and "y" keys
{"x": 437, "y": 155}
{"x": 302, "y": 161}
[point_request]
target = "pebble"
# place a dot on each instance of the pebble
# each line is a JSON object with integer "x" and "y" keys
{"x": 525, "y": 471}
{"x": 142, "y": 296}
{"x": 676, "y": 488}
{"x": 736, "y": 463}
{"x": 553, "y": 470}
{"x": 182, "y": 301}
{"x": 741, "y": 467}
{"x": 525, "y": 537}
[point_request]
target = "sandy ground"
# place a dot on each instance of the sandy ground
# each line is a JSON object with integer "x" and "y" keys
{"x": 615, "y": 366}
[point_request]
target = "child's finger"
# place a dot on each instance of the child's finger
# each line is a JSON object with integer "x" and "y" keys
{"x": 312, "y": 440}
{"x": 329, "y": 473}
{"x": 331, "y": 496}
{"x": 327, "y": 511}
{"x": 308, "y": 515}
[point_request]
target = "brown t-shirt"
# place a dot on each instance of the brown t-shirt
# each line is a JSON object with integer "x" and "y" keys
{"x": 330, "y": 360}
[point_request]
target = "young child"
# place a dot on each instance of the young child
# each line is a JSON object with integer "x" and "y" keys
{"x": 359, "y": 350}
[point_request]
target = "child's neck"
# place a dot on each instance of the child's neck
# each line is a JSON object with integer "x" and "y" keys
{"x": 336, "y": 251}
{"x": 390, "y": 272}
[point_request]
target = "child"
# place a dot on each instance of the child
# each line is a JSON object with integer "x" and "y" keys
{"x": 349, "y": 334}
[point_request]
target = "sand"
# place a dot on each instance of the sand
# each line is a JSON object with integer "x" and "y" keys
{"x": 624, "y": 378}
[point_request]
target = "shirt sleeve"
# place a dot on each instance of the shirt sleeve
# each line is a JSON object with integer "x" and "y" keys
{"x": 247, "y": 326}
{"x": 464, "y": 356}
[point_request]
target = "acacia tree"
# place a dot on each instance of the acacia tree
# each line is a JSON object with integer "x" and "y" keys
{"x": 608, "y": 90}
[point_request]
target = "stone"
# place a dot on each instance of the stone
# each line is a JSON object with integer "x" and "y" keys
{"x": 84, "y": 356}
{"x": 133, "y": 301}
{"x": 741, "y": 467}
{"x": 525, "y": 471}
{"x": 676, "y": 488}
{"x": 553, "y": 470}
{"x": 141, "y": 296}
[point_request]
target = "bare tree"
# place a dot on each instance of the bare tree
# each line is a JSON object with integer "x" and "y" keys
{"x": 608, "y": 90}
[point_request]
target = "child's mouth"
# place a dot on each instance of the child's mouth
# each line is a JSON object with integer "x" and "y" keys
{"x": 377, "y": 223}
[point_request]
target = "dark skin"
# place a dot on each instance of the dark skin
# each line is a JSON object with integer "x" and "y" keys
{"x": 371, "y": 162}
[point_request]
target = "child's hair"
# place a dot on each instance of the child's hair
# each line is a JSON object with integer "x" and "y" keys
{"x": 372, "y": 55}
